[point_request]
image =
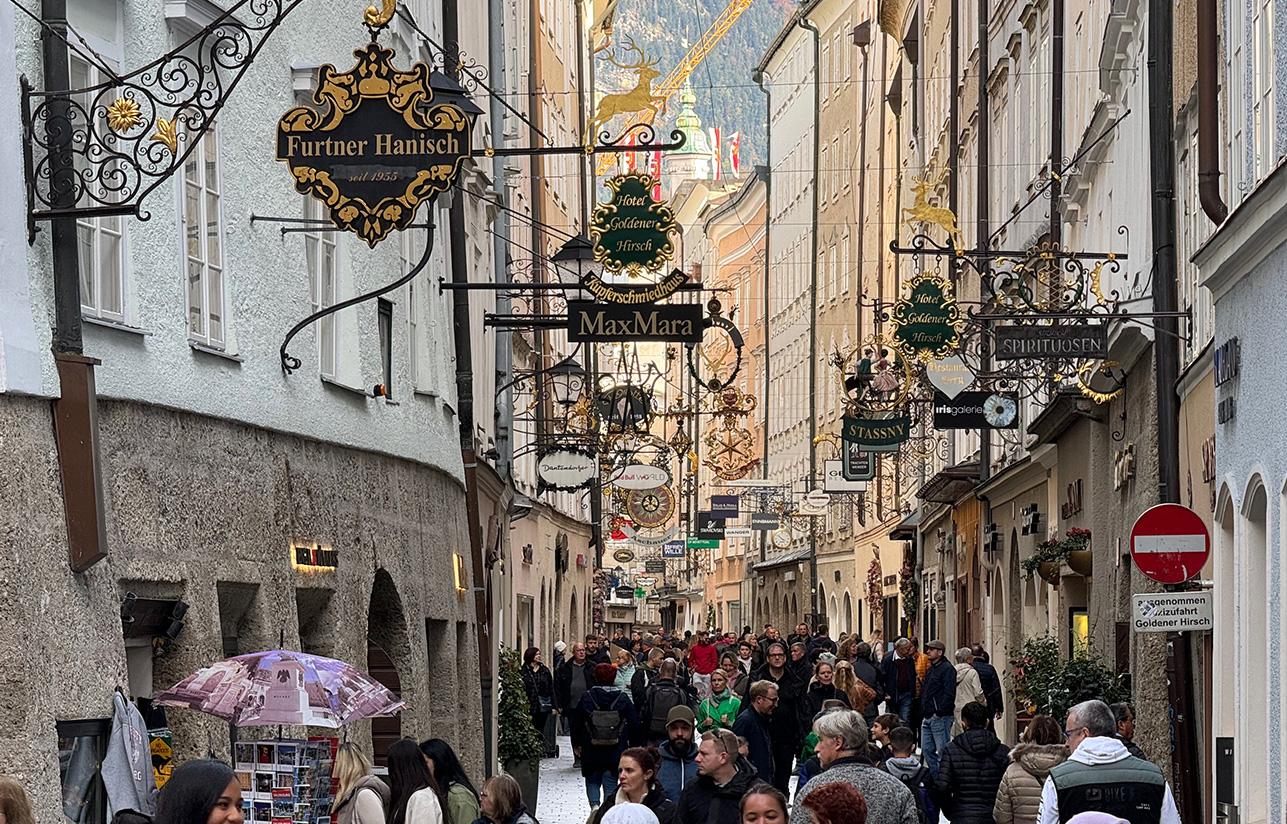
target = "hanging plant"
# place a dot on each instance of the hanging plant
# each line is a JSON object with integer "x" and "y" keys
{"x": 875, "y": 590}
{"x": 910, "y": 590}
{"x": 1056, "y": 551}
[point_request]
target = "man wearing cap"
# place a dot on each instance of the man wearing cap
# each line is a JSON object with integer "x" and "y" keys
{"x": 678, "y": 754}
{"x": 938, "y": 704}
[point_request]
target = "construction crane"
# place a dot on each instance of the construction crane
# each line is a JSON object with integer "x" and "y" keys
{"x": 675, "y": 80}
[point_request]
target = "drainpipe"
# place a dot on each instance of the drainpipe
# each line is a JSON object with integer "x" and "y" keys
{"x": 982, "y": 224}
{"x": 765, "y": 173}
{"x": 465, "y": 405}
{"x": 1209, "y": 112}
{"x": 862, "y": 39}
{"x": 806, "y": 23}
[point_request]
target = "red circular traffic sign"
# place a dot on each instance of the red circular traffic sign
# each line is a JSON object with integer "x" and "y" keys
{"x": 1170, "y": 543}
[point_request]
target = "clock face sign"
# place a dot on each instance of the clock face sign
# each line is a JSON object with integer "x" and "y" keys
{"x": 651, "y": 507}
{"x": 782, "y": 538}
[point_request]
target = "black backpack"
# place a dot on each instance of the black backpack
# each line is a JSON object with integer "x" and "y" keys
{"x": 916, "y": 782}
{"x": 605, "y": 725}
{"x": 662, "y": 698}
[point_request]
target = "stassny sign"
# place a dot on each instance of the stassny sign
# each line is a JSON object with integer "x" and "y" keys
{"x": 1084, "y": 341}
{"x": 876, "y": 435}
{"x": 680, "y": 323}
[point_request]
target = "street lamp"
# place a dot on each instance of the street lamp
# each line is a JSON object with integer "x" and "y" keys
{"x": 567, "y": 381}
{"x": 574, "y": 262}
{"x": 446, "y": 90}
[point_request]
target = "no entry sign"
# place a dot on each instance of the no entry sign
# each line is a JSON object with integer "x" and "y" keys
{"x": 1170, "y": 543}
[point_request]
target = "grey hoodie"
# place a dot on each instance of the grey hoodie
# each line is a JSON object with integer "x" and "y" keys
{"x": 900, "y": 767}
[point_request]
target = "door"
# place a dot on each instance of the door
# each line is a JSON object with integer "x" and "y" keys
{"x": 384, "y": 731}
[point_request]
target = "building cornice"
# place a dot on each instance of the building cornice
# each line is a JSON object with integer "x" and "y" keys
{"x": 1255, "y": 228}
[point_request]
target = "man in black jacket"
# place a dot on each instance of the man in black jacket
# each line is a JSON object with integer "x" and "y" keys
{"x": 596, "y": 650}
{"x": 715, "y": 795}
{"x": 970, "y": 773}
{"x": 821, "y": 641}
{"x": 788, "y": 724}
{"x": 898, "y": 672}
{"x": 870, "y": 676}
{"x": 938, "y": 704}
{"x": 570, "y": 682}
{"x": 756, "y": 727}
{"x": 991, "y": 683}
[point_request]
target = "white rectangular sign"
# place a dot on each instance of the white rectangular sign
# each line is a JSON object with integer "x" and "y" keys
{"x": 1148, "y": 544}
{"x": 836, "y": 483}
{"x": 1172, "y": 611}
{"x": 737, "y": 532}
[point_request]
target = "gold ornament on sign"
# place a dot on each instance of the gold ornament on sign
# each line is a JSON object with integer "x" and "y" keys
{"x": 922, "y": 212}
{"x": 637, "y": 100}
{"x": 1087, "y": 373}
{"x": 124, "y": 115}
{"x": 379, "y": 18}
{"x": 730, "y": 445}
{"x": 167, "y": 135}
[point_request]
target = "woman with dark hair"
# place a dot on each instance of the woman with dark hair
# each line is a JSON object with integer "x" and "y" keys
{"x": 601, "y": 726}
{"x": 823, "y": 688}
{"x": 763, "y": 804}
{"x": 200, "y": 792}
{"x": 538, "y": 682}
{"x": 637, "y": 784}
{"x": 416, "y": 797}
{"x": 1041, "y": 747}
{"x": 462, "y": 798}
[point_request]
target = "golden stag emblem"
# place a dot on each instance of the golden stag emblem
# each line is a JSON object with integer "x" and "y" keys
{"x": 637, "y": 100}
{"x": 923, "y": 212}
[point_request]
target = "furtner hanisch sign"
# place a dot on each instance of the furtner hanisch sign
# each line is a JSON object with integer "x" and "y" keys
{"x": 375, "y": 146}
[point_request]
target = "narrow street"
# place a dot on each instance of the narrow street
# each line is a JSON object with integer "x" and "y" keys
{"x": 562, "y": 799}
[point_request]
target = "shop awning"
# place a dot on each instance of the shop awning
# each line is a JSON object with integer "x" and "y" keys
{"x": 782, "y": 560}
{"x": 905, "y": 530}
{"x": 950, "y": 484}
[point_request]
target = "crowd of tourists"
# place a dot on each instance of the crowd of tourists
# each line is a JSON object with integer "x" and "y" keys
{"x": 713, "y": 727}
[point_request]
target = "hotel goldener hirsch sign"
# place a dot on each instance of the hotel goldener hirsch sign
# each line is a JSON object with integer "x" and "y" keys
{"x": 927, "y": 322}
{"x": 376, "y": 146}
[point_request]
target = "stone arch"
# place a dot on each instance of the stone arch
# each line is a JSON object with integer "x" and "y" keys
{"x": 388, "y": 656}
{"x": 848, "y": 614}
{"x": 572, "y": 624}
{"x": 542, "y": 621}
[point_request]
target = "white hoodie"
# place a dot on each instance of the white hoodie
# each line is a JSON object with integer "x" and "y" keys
{"x": 1098, "y": 750}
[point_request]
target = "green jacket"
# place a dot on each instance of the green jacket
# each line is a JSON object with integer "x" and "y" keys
{"x": 462, "y": 805}
{"x": 718, "y": 711}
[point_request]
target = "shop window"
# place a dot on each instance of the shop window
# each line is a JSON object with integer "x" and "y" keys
{"x": 81, "y": 748}
{"x": 1078, "y": 631}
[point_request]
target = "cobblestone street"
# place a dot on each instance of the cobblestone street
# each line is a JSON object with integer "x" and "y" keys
{"x": 562, "y": 799}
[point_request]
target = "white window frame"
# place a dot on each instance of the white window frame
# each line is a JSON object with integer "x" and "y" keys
{"x": 97, "y": 232}
{"x": 1264, "y": 154}
{"x": 210, "y": 267}
{"x": 323, "y": 293}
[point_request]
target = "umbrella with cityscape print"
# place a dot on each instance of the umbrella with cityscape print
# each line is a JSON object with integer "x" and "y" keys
{"x": 283, "y": 687}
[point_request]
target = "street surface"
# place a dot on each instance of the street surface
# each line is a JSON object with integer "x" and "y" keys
{"x": 562, "y": 799}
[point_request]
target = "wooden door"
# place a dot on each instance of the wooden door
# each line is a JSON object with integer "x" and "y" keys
{"x": 384, "y": 731}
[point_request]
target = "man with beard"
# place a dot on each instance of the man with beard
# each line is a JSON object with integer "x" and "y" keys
{"x": 787, "y": 723}
{"x": 594, "y": 653}
{"x": 678, "y": 753}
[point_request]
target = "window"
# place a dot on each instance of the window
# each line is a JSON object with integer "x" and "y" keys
{"x": 384, "y": 319}
{"x": 844, "y": 261}
{"x": 319, "y": 253}
{"x": 826, "y": 71}
{"x": 203, "y": 252}
{"x": 100, "y": 240}
{"x": 413, "y": 310}
{"x": 820, "y": 175}
{"x": 1262, "y": 79}
{"x": 82, "y": 746}
{"x": 1235, "y": 131}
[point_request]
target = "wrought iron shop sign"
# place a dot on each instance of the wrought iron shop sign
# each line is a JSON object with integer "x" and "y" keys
{"x": 977, "y": 410}
{"x": 857, "y": 465}
{"x": 876, "y": 435}
{"x": 377, "y": 147}
{"x": 566, "y": 469}
{"x": 1080, "y": 342}
{"x": 679, "y": 323}
{"x": 632, "y": 231}
{"x": 927, "y": 323}
{"x": 633, "y": 295}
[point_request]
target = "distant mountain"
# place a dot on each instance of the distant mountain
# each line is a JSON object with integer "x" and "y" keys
{"x": 727, "y": 97}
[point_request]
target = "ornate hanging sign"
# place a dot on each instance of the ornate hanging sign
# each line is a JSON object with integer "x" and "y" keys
{"x": 1050, "y": 342}
{"x": 876, "y": 435}
{"x": 566, "y": 469}
{"x": 377, "y": 147}
{"x": 651, "y": 508}
{"x": 927, "y": 323}
{"x": 951, "y": 376}
{"x": 632, "y": 230}
{"x": 633, "y": 295}
{"x": 606, "y": 322}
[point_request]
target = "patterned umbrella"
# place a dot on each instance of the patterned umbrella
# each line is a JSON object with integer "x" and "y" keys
{"x": 283, "y": 687}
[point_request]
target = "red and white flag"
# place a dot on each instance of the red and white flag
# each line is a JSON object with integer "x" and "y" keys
{"x": 654, "y": 169}
{"x": 734, "y": 161}
{"x": 719, "y": 155}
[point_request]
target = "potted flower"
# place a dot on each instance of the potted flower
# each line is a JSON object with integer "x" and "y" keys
{"x": 1080, "y": 557}
{"x": 1045, "y": 561}
{"x": 519, "y": 745}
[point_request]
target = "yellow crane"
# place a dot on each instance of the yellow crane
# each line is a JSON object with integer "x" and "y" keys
{"x": 675, "y": 80}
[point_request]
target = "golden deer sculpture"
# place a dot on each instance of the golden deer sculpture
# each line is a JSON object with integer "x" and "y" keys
{"x": 638, "y": 99}
{"x": 923, "y": 212}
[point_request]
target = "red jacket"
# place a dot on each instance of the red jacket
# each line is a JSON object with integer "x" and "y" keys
{"x": 703, "y": 658}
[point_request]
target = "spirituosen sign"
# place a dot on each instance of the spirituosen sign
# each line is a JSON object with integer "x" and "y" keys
{"x": 679, "y": 323}
{"x": 927, "y": 323}
{"x": 375, "y": 146}
{"x": 632, "y": 231}
{"x": 876, "y": 434}
{"x": 1081, "y": 342}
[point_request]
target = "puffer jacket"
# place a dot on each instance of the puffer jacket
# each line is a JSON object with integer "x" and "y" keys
{"x": 1019, "y": 798}
{"x": 969, "y": 776}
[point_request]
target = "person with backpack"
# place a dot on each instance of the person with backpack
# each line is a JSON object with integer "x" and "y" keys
{"x": 601, "y": 727}
{"x": 971, "y": 768}
{"x": 663, "y": 695}
{"x": 907, "y": 768}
